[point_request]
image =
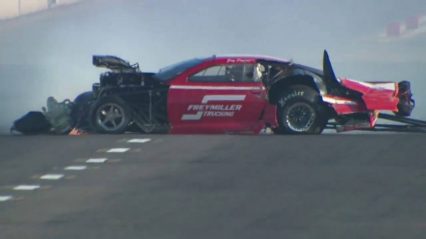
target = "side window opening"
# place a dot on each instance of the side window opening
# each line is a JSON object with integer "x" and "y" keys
{"x": 229, "y": 73}
{"x": 213, "y": 71}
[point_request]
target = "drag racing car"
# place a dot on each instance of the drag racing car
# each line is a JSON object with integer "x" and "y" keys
{"x": 235, "y": 94}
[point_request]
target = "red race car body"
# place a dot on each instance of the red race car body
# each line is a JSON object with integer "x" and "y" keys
{"x": 238, "y": 94}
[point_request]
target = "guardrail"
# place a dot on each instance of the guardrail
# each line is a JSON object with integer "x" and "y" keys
{"x": 15, "y": 8}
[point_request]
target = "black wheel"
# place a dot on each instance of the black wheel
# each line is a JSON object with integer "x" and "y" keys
{"x": 110, "y": 115}
{"x": 301, "y": 111}
{"x": 406, "y": 103}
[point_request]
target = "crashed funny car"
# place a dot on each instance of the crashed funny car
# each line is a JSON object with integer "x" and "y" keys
{"x": 234, "y": 94}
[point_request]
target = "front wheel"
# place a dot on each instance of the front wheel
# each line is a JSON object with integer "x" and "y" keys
{"x": 110, "y": 115}
{"x": 301, "y": 111}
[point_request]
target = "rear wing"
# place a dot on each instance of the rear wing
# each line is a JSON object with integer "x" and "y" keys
{"x": 332, "y": 84}
{"x": 114, "y": 63}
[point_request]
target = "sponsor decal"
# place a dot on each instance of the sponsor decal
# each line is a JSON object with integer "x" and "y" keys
{"x": 295, "y": 94}
{"x": 239, "y": 60}
{"x": 199, "y": 111}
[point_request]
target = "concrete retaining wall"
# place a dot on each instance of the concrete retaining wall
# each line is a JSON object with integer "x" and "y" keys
{"x": 15, "y": 8}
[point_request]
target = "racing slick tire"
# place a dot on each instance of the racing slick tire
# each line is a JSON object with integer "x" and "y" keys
{"x": 301, "y": 111}
{"x": 110, "y": 115}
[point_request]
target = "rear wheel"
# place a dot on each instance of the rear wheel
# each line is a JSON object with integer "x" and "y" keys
{"x": 301, "y": 111}
{"x": 406, "y": 103}
{"x": 110, "y": 116}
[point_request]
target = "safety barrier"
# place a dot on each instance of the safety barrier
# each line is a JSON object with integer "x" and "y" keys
{"x": 15, "y": 8}
{"x": 411, "y": 27}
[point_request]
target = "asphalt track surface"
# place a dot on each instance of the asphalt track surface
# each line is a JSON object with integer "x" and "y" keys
{"x": 230, "y": 186}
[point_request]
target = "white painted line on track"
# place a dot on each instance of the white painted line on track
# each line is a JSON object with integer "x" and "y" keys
{"x": 118, "y": 150}
{"x": 76, "y": 168}
{"x": 52, "y": 176}
{"x": 138, "y": 141}
{"x": 97, "y": 160}
{"x": 5, "y": 198}
{"x": 26, "y": 187}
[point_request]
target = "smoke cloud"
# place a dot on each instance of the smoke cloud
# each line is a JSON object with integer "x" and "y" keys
{"x": 49, "y": 53}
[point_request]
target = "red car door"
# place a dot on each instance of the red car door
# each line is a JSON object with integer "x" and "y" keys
{"x": 222, "y": 96}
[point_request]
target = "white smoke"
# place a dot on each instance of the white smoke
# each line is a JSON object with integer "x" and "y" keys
{"x": 49, "y": 53}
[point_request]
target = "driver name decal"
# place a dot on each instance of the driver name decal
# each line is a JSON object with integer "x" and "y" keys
{"x": 198, "y": 111}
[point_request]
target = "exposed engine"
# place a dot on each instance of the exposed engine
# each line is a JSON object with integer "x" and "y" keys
{"x": 145, "y": 96}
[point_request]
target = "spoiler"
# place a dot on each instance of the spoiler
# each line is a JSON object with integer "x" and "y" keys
{"x": 330, "y": 78}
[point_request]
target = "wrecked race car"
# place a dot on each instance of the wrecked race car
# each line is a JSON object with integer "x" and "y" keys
{"x": 234, "y": 94}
